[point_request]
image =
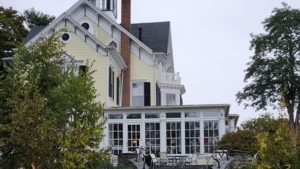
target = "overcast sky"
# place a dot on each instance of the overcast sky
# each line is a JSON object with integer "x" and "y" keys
{"x": 210, "y": 41}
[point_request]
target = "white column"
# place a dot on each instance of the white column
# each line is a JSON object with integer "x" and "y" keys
{"x": 182, "y": 137}
{"x": 221, "y": 127}
{"x": 231, "y": 125}
{"x": 163, "y": 129}
{"x": 125, "y": 137}
{"x": 177, "y": 98}
{"x": 163, "y": 98}
{"x": 142, "y": 136}
{"x": 201, "y": 136}
{"x": 104, "y": 142}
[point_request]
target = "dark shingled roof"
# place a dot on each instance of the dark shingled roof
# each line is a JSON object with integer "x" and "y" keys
{"x": 155, "y": 35}
{"x": 33, "y": 31}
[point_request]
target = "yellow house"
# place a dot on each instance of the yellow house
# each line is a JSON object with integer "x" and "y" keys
{"x": 136, "y": 80}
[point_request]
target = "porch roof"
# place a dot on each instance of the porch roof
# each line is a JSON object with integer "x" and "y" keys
{"x": 226, "y": 107}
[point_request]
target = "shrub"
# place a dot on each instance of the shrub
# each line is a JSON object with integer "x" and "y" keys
{"x": 244, "y": 140}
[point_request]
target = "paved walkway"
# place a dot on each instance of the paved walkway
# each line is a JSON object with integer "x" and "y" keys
{"x": 139, "y": 164}
{"x": 224, "y": 163}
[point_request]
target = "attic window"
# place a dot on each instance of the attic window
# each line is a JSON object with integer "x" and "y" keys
{"x": 65, "y": 37}
{"x": 113, "y": 43}
{"x": 85, "y": 25}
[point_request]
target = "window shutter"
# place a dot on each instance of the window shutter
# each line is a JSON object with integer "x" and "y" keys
{"x": 118, "y": 91}
{"x": 109, "y": 80}
{"x": 108, "y": 5}
{"x": 147, "y": 97}
{"x": 158, "y": 96}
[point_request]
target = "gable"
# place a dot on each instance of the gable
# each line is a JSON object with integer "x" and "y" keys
{"x": 155, "y": 35}
{"x": 65, "y": 21}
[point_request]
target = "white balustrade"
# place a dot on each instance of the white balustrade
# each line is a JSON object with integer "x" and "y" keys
{"x": 172, "y": 78}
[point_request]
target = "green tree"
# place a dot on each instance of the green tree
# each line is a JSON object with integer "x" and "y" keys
{"x": 276, "y": 149}
{"x": 273, "y": 69}
{"x": 274, "y": 142}
{"x": 49, "y": 117}
{"x": 264, "y": 123}
{"x": 12, "y": 31}
{"x": 240, "y": 140}
{"x": 37, "y": 18}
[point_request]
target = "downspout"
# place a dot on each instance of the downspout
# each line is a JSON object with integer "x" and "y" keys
{"x": 121, "y": 91}
{"x": 107, "y": 79}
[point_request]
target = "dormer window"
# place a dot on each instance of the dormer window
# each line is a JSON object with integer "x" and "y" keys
{"x": 113, "y": 43}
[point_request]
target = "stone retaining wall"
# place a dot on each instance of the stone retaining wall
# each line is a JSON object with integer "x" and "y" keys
{"x": 124, "y": 159}
{"x": 240, "y": 160}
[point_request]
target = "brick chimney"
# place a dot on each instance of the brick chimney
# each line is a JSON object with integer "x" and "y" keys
{"x": 125, "y": 50}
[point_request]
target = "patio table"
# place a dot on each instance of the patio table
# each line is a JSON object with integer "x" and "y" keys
{"x": 180, "y": 157}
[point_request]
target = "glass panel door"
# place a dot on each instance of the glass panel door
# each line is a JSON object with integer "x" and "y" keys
{"x": 134, "y": 136}
{"x": 152, "y": 134}
{"x": 173, "y": 137}
{"x": 115, "y": 137}
{"x": 211, "y": 135}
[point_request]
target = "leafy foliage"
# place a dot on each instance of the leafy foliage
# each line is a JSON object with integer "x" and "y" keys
{"x": 276, "y": 150}
{"x": 244, "y": 140}
{"x": 12, "y": 31}
{"x": 37, "y": 18}
{"x": 49, "y": 117}
{"x": 276, "y": 146}
{"x": 264, "y": 123}
{"x": 273, "y": 69}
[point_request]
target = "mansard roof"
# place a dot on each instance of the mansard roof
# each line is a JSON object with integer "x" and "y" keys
{"x": 33, "y": 31}
{"x": 155, "y": 35}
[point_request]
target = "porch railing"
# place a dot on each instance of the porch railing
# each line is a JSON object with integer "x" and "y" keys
{"x": 172, "y": 78}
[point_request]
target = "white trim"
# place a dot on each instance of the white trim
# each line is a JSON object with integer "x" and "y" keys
{"x": 65, "y": 20}
{"x": 113, "y": 40}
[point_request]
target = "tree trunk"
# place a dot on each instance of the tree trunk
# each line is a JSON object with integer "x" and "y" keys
{"x": 294, "y": 123}
{"x": 291, "y": 120}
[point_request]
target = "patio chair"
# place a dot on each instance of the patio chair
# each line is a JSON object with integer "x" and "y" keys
{"x": 205, "y": 159}
{"x": 154, "y": 160}
{"x": 164, "y": 158}
{"x": 192, "y": 160}
{"x": 253, "y": 159}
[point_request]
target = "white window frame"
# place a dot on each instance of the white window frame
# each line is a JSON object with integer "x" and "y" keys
{"x": 167, "y": 101}
{"x": 132, "y": 93}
